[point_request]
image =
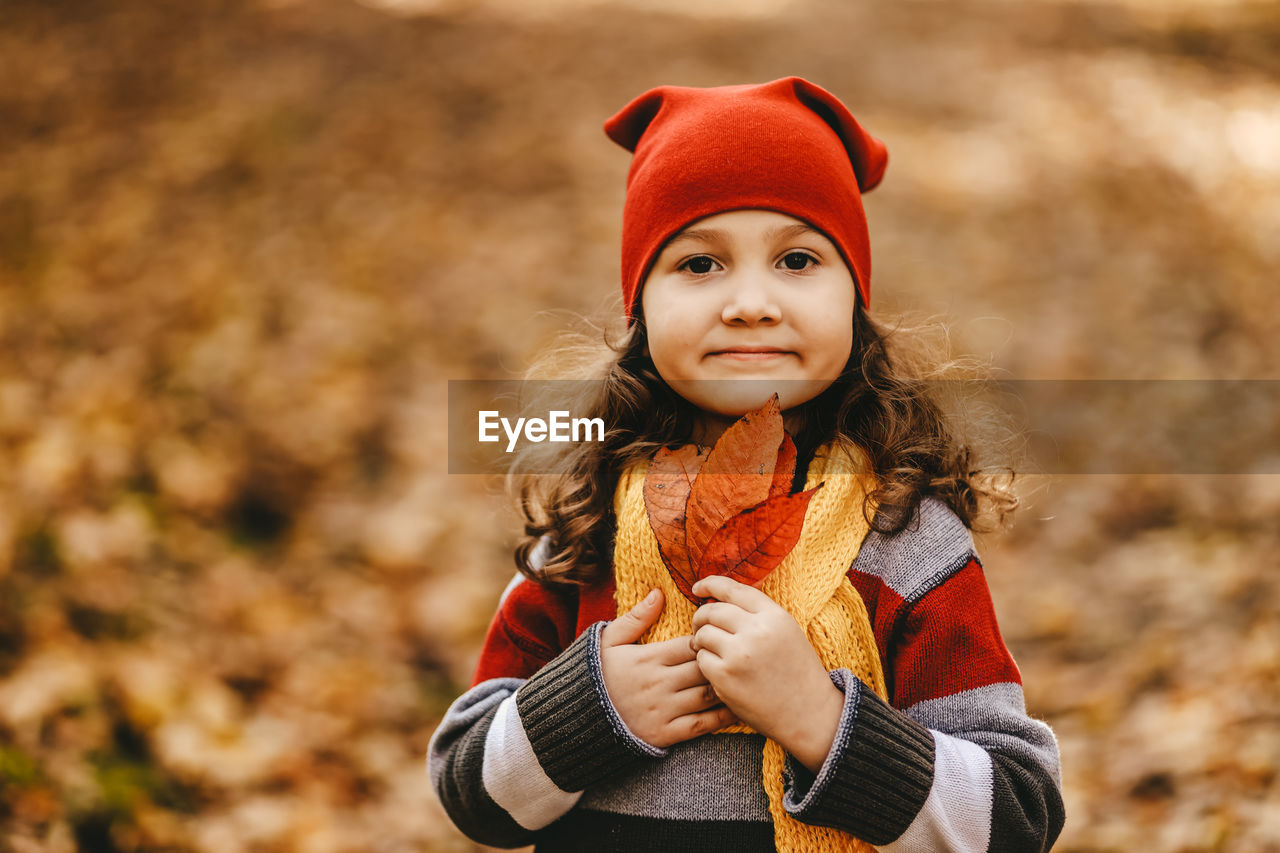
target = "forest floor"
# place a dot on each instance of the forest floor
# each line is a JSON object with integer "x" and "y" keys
{"x": 245, "y": 245}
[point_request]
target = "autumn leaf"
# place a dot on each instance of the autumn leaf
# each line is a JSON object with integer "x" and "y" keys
{"x": 755, "y": 542}
{"x": 729, "y": 511}
{"x": 785, "y": 469}
{"x": 666, "y": 495}
{"x": 737, "y": 475}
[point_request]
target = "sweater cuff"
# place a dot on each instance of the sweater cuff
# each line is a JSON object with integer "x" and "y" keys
{"x": 572, "y": 725}
{"x": 876, "y": 777}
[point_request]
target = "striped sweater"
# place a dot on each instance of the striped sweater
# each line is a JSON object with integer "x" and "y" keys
{"x": 535, "y": 753}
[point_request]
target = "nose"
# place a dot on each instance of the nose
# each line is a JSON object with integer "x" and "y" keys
{"x": 750, "y": 300}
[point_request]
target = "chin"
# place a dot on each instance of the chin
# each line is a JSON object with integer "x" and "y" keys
{"x": 733, "y": 398}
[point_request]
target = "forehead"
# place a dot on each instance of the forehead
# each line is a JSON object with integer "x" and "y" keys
{"x": 762, "y": 225}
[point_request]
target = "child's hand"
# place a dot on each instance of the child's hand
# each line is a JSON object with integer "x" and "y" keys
{"x": 657, "y": 688}
{"x": 760, "y": 663}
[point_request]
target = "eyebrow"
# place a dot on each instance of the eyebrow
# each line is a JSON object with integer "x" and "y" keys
{"x": 711, "y": 235}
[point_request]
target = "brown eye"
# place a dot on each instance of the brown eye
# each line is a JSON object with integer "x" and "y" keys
{"x": 698, "y": 265}
{"x": 797, "y": 261}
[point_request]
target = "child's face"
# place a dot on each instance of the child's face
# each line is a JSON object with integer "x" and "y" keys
{"x": 742, "y": 280}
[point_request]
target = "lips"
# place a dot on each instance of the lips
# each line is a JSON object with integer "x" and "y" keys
{"x": 751, "y": 354}
{"x": 751, "y": 350}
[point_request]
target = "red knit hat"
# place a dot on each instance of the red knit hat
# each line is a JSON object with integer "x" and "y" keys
{"x": 788, "y": 145}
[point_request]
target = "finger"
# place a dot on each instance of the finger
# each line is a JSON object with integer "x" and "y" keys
{"x": 630, "y": 626}
{"x": 703, "y": 722}
{"x": 691, "y": 700}
{"x": 722, "y": 614}
{"x": 722, "y": 588}
{"x": 710, "y": 638}
{"x": 672, "y": 652}
{"x": 685, "y": 675}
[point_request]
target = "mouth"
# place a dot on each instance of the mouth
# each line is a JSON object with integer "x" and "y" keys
{"x": 751, "y": 353}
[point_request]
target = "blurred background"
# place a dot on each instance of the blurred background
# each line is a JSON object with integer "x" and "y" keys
{"x": 244, "y": 246}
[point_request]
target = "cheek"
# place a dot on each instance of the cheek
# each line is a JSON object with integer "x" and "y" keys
{"x": 835, "y": 327}
{"x": 845, "y": 348}
{"x": 672, "y": 334}
{"x": 668, "y": 347}
{"x": 836, "y": 345}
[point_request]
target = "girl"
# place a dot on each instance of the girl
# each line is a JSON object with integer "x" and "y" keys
{"x": 861, "y": 694}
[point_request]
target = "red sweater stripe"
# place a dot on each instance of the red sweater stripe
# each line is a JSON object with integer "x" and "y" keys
{"x": 972, "y": 647}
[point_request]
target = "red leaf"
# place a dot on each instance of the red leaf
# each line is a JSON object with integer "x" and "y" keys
{"x": 785, "y": 469}
{"x": 737, "y": 475}
{"x": 754, "y": 543}
{"x": 666, "y": 494}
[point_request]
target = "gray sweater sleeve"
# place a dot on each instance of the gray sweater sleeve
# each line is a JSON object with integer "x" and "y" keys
{"x": 957, "y": 764}
{"x": 512, "y": 756}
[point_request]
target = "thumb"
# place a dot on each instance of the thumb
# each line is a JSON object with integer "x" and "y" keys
{"x": 630, "y": 626}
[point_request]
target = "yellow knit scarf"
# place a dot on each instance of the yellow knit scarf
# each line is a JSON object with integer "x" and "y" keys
{"x": 811, "y": 584}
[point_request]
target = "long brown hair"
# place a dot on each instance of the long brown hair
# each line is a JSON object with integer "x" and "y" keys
{"x": 886, "y": 401}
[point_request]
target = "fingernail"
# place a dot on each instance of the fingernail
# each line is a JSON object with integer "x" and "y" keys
{"x": 651, "y": 597}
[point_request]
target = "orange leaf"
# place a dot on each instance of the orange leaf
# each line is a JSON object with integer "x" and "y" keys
{"x": 737, "y": 474}
{"x": 666, "y": 494}
{"x": 785, "y": 470}
{"x": 753, "y": 543}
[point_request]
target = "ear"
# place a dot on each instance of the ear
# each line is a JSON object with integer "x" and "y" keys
{"x": 628, "y": 124}
{"x": 868, "y": 154}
